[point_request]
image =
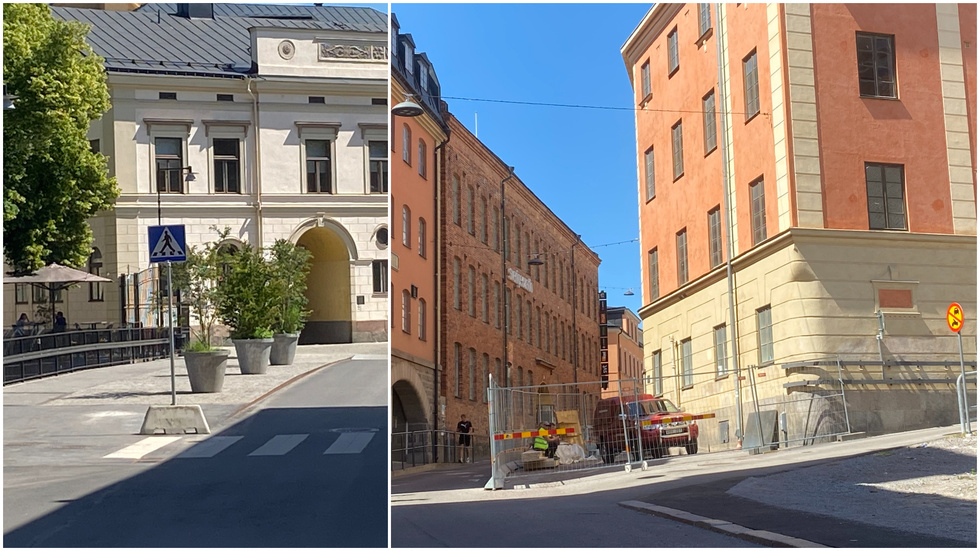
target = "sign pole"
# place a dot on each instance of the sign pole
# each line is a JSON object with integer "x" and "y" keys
{"x": 170, "y": 315}
{"x": 959, "y": 339}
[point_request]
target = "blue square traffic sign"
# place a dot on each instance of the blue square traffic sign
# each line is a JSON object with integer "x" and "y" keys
{"x": 167, "y": 243}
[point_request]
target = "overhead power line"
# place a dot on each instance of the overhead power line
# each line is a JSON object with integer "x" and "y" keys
{"x": 578, "y": 106}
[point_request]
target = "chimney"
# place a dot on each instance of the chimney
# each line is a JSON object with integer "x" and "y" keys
{"x": 195, "y": 11}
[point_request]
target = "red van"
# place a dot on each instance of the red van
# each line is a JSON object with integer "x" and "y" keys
{"x": 613, "y": 414}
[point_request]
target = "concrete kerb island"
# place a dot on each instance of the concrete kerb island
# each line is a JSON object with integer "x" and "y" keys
{"x": 179, "y": 419}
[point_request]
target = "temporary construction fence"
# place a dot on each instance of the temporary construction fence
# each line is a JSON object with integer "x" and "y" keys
{"x": 559, "y": 428}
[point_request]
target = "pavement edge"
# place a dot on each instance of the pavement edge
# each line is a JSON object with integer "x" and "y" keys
{"x": 283, "y": 385}
{"x": 762, "y": 537}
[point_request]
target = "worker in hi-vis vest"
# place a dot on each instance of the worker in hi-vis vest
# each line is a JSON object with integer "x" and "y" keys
{"x": 547, "y": 444}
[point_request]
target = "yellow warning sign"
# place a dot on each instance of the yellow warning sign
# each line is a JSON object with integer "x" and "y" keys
{"x": 954, "y": 317}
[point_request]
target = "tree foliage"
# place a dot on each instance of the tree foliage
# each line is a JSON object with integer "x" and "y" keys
{"x": 52, "y": 181}
{"x": 291, "y": 266}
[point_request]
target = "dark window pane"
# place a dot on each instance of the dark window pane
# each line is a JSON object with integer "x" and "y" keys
{"x": 317, "y": 148}
{"x": 226, "y": 147}
{"x": 378, "y": 150}
{"x": 168, "y": 146}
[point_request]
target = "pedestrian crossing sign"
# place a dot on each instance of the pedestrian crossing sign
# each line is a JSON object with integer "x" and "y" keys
{"x": 167, "y": 243}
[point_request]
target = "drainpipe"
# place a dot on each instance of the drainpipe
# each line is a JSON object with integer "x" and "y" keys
{"x": 504, "y": 231}
{"x": 732, "y": 313}
{"x": 879, "y": 337}
{"x": 257, "y": 165}
{"x": 437, "y": 273}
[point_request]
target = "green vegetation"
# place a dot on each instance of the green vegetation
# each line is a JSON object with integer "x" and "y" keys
{"x": 291, "y": 267}
{"x": 52, "y": 180}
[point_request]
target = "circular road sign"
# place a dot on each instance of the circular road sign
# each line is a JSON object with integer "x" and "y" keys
{"x": 954, "y": 317}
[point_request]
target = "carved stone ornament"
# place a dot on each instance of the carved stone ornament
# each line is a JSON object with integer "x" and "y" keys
{"x": 367, "y": 52}
{"x": 287, "y": 49}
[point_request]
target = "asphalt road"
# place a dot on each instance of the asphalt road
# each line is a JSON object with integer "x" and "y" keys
{"x": 306, "y": 467}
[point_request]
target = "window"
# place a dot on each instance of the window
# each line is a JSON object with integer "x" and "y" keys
{"x": 496, "y": 304}
{"x": 483, "y": 220}
{"x": 758, "y": 193}
{"x": 648, "y": 174}
{"x": 94, "y": 146}
{"x": 714, "y": 236}
{"x": 422, "y": 163}
{"x": 167, "y": 95}
{"x": 422, "y": 251}
{"x": 704, "y": 18}
{"x": 170, "y": 162}
{"x": 95, "y": 291}
{"x": 682, "y": 257}
{"x": 379, "y": 274}
{"x": 750, "y": 74}
{"x": 406, "y": 312}
{"x": 673, "y": 58}
{"x": 457, "y": 360}
{"x": 471, "y": 290}
{"x": 226, "y": 165}
{"x": 876, "y": 65}
{"x": 485, "y": 293}
{"x": 507, "y": 320}
{"x": 470, "y": 211}
{"x": 455, "y": 200}
{"x": 41, "y": 295}
{"x": 710, "y": 129}
{"x": 456, "y": 282}
{"x": 406, "y": 226}
{"x": 496, "y": 229}
{"x": 658, "y": 376}
{"x": 537, "y": 327}
{"x": 530, "y": 316}
{"x": 378, "y": 160}
{"x": 422, "y": 332}
{"x": 687, "y": 363}
{"x": 645, "y": 80}
{"x": 472, "y": 374}
{"x": 764, "y": 320}
{"x": 406, "y": 144}
{"x": 317, "y": 99}
{"x": 226, "y": 97}
{"x": 318, "y": 166}
{"x": 677, "y": 142}
{"x": 721, "y": 351}
{"x": 520, "y": 318}
{"x": 886, "y": 196}
{"x": 486, "y": 381}
{"x": 506, "y": 237}
{"x": 20, "y": 293}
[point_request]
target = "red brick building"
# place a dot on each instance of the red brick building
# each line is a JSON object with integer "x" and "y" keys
{"x": 548, "y": 310}
{"x": 624, "y": 351}
{"x": 832, "y": 161}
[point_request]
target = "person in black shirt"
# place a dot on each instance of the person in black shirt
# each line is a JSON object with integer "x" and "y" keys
{"x": 463, "y": 428}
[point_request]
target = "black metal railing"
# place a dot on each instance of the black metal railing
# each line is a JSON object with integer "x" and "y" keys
{"x": 416, "y": 447}
{"x": 35, "y": 356}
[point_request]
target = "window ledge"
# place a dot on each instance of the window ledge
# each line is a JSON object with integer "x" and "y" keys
{"x": 753, "y": 116}
{"x": 721, "y": 377}
{"x": 646, "y": 99}
{"x": 889, "y": 98}
{"x": 688, "y": 387}
{"x": 673, "y": 71}
{"x": 651, "y": 199}
{"x": 710, "y": 151}
{"x": 704, "y": 37}
{"x": 679, "y": 176}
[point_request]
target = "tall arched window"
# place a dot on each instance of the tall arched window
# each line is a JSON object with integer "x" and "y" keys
{"x": 406, "y": 312}
{"x": 422, "y": 237}
{"x": 406, "y": 226}
{"x": 422, "y": 335}
{"x": 406, "y": 144}
{"x": 95, "y": 291}
{"x": 422, "y": 168}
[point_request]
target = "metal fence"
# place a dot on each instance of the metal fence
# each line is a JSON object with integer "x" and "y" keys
{"x": 47, "y": 354}
{"x": 414, "y": 448}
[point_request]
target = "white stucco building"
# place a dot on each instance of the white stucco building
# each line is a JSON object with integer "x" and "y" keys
{"x": 268, "y": 119}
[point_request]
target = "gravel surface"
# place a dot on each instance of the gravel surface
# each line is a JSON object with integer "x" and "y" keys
{"x": 928, "y": 488}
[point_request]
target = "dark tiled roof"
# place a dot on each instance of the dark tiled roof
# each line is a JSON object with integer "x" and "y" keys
{"x": 151, "y": 41}
{"x": 344, "y": 17}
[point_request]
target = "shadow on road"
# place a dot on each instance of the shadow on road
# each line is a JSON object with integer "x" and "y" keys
{"x": 302, "y": 498}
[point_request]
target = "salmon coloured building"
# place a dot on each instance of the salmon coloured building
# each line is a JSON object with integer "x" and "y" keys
{"x": 807, "y": 211}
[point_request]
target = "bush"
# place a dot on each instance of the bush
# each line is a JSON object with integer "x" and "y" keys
{"x": 248, "y": 295}
{"x": 291, "y": 266}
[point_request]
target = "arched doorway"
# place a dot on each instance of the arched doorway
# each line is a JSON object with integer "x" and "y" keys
{"x": 328, "y": 287}
{"x": 411, "y": 440}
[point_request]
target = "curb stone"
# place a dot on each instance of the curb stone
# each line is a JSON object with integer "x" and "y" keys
{"x": 763, "y": 537}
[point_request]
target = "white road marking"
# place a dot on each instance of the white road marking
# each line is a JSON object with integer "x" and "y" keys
{"x": 143, "y": 447}
{"x": 358, "y": 357}
{"x": 350, "y": 442}
{"x": 280, "y": 444}
{"x": 209, "y": 448}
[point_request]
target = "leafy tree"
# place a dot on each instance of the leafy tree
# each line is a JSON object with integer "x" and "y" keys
{"x": 52, "y": 181}
{"x": 291, "y": 266}
{"x": 198, "y": 277}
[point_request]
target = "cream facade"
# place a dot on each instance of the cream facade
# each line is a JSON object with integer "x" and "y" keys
{"x": 311, "y": 98}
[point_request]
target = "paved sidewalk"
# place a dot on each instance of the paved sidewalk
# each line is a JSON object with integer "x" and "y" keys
{"x": 148, "y": 383}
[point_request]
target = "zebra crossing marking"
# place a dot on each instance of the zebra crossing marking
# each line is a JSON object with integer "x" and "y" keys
{"x": 209, "y": 448}
{"x": 143, "y": 447}
{"x": 280, "y": 444}
{"x": 350, "y": 442}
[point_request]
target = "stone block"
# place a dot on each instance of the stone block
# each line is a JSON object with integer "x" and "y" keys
{"x": 175, "y": 420}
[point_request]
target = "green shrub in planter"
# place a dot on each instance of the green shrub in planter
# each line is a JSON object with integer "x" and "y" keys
{"x": 291, "y": 267}
{"x": 248, "y": 295}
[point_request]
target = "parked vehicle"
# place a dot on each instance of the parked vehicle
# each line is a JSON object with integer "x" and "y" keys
{"x": 613, "y": 415}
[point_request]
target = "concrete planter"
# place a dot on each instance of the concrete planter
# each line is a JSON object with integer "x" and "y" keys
{"x": 206, "y": 370}
{"x": 283, "y": 348}
{"x": 253, "y": 355}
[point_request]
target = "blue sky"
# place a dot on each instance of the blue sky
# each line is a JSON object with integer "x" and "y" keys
{"x": 580, "y": 162}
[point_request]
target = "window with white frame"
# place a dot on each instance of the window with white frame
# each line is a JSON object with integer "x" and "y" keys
{"x": 677, "y": 147}
{"x": 406, "y": 226}
{"x": 406, "y": 312}
{"x": 227, "y": 165}
{"x": 710, "y": 129}
{"x": 764, "y": 321}
{"x": 379, "y": 276}
{"x": 750, "y": 73}
{"x": 378, "y": 161}
{"x": 687, "y": 363}
{"x": 422, "y": 313}
{"x": 422, "y": 159}
{"x": 648, "y": 174}
{"x": 406, "y": 144}
{"x": 318, "y": 170}
{"x": 422, "y": 238}
{"x": 721, "y": 351}
{"x": 673, "y": 56}
{"x": 758, "y": 193}
{"x": 95, "y": 290}
{"x": 169, "y": 155}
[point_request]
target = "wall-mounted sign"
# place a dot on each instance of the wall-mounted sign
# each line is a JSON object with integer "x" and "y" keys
{"x": 519, "y": 279}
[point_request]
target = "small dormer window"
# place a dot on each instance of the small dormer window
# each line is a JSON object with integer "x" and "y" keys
{"x": 423, "y": 78}
{"x": 408, "y": 59}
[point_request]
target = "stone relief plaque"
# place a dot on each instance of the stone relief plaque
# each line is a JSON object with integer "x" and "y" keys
{"x": 366, "y": 52}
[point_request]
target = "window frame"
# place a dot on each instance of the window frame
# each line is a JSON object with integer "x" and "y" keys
{"x": 704, "y": 19}
{"x": 421, "y": 321}
{"x": 382, "y": 165}
{"x": 762, "y": 315}
{"x": 379, "y": 277}
{"x": 710, "y": 123}
{"x": 677, "y": 148}
{"x": 715, "y": 250}
{"x": 673, "y": 53}
{"x": 406, "y": 144}
{"x": 721, "y": 350}
{"x": 179, "y": 158}
{"x": 750, "y": 83}
{"x": 646, "y": 90}
{"x": 649, "y": 175}
{"x": 406, "y": 226}
{"x": 96, "y": 292}
{"x": 423, "y": 168}
{"x": 683, "y": 271}
{"x": 329, "y": 162}
{"x": 885, "y": 198}
{"x": 422, "y": 238}
{"x": 653, "y": 272}
{"x": 757, "y": 202}
{"x": 225, "y": 161}
{"x": 893, "y": 65}
{"x": 406, "y": 312}
{"x": 687, "y": 364}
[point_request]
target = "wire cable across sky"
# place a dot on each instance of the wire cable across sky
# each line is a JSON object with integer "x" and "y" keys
{"x": 578, "y": 106}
